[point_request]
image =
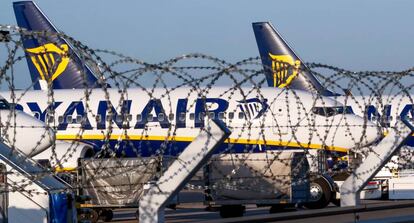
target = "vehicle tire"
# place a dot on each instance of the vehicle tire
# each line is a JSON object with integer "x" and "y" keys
{"x": 94, "y": 216}
{"x": 277, "y": 208}
{"x": 320, "y": 193}
{"x": 137, "y": 215}
{"x": 106, "y": 215}
{"x": 336, "y": 202}
{"x": 210, "y": 208}
{"x": 232, "y": 211}
{"x": 384, "y": 192}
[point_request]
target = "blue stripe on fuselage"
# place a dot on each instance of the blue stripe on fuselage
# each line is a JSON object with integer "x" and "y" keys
{"x": 146, "y": 148}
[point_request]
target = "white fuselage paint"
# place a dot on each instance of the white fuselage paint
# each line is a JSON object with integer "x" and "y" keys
{"x": 288, "y": 121}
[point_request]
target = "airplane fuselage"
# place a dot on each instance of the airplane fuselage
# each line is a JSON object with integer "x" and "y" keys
{"x": 383, "y": 111}
{"x": 146, "y": 122}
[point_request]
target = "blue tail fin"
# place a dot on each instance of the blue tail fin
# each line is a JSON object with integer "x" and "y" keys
{"x": 282, "y": 66}
{"x": 51, "y": 59}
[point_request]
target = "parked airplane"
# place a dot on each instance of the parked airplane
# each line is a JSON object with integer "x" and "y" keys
{"x": 35, "y": 139}
{"x": 17, "y": 125}
{"x": 70, "y": 71}
{"x": 275, "y": 54}
{"x": 141, "y": 124}
{"x": 135, "y": 122}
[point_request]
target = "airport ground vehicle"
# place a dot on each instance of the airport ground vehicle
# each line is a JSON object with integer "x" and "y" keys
{"x": 233, "y": 182}
{"x": 112, "y": 183}
{"x": 395, "y": 181}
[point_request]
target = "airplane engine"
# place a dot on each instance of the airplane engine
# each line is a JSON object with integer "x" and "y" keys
{"x": 64, "y": 155}
{"x": 20, "y": 130}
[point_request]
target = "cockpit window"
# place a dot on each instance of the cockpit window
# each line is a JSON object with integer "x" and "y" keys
{"x": 4, "y": 104}
{"x": 331, "y": 111}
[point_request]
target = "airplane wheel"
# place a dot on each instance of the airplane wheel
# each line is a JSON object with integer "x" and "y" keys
{"x": 336, "y": 202}
{"x": 106, "y": 215}
{"x": 277, "y": 208}
{"x": 232, "y": 211}
{"x": 320, "y": 194}
{"x": 94, "y": 216}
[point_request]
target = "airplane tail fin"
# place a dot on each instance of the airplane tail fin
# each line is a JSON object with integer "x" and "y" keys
{"x": 282, "y": 66}
{"x": 51, "y": 59}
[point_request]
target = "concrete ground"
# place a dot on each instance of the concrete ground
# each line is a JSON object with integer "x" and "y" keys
{"x": 369, "y": 212}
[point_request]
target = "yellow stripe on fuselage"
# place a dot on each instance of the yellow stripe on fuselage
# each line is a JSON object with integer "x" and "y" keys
{"x": 190, "y": 139}
{"x": 65, "y": 169}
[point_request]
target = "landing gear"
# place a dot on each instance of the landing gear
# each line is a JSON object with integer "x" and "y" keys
{"x": 94, "y": 216}
{"x": 320, "y": 194}
{"x": 99, "y": 214}
{"x": 277, "y": 208}
{"x": 106, "y": 215}
{"x": 232, "y": 211}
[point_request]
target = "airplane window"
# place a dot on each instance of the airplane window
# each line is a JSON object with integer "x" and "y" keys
{"x": 192, "y": 116}
{"x": 50, "y": 118}
{"x": 150, "y": 118}
{"x": 78, "y": 118}
{"x": 182, "y": 116}
{"x": 98, "y": 118}
{"x": 161, "y": 117}
{"x": 69, "y": 119}
{"x": 60, "y": 119}
{"x": 331, "y": 111}
{"x": 129, "y": 117}
{"x": 109, "y": 117}
{"x": 231, "y": 115}
{"x": 211, "y": 115}
{"x": 241, "y": 115}
{"x": 139, "y": 117}
{"x": 385, "y": 119}
{"x": 171, "y": 116}
{"x": 201, "y": 116}
{"x": 36, "y": 115}
{"x": 221, "y": 115}
{"x": 119, "y": 118}
{"x": 4, "y": 104}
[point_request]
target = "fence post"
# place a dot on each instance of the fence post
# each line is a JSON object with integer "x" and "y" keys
{"x": 151, "y": 205}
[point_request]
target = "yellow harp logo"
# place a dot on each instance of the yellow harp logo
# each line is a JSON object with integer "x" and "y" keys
{"x": 45, "y": 58}
{"x": 284, "y": 69}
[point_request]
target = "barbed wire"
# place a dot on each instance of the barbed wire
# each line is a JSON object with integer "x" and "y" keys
{"x": 152, "y": 111}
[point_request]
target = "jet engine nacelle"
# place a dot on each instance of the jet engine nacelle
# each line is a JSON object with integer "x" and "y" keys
{"x": 24, "y": 132}
{"x": 64, "y": 155}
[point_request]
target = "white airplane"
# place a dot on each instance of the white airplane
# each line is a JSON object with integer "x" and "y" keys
{"x": 140, "y": 125}
{"x": 271, "y": 119}
{"x": 135, "y": 123}
{"x": 284, "y": 68}
{"x": 35, "y": 139}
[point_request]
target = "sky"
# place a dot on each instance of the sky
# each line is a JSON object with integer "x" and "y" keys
{"x": 353, "y": 34}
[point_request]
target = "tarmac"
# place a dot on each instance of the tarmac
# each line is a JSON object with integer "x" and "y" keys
{"x": 368, "y": 212}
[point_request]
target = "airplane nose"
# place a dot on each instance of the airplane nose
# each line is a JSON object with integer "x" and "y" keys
{"x": 373, "y": 133}
{"x": 364, "y": 132}
{"x": 29, "y": 135}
